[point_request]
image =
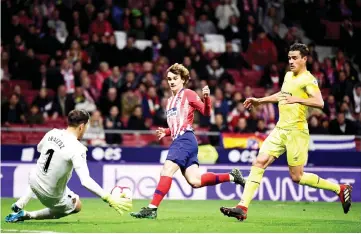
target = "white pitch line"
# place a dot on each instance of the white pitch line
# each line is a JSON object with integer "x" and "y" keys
{"x": 26, "y": 231}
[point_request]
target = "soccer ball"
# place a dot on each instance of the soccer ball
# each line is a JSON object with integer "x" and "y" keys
{"x": 122, "y": 192}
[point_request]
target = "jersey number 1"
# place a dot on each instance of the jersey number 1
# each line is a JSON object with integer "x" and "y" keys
{"x": 50, "y": 153}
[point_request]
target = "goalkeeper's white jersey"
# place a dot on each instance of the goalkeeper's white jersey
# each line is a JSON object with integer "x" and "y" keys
{"x": 60, "y": 152}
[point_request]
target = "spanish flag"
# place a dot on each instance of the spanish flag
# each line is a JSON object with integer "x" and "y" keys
{"x": 243, "y": 141}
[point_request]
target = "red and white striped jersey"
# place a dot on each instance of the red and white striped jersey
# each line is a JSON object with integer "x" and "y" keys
{"x": 180, "y": 111}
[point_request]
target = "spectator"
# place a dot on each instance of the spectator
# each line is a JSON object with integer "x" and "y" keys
{"x": 281, "y": 45}
{"x": 100, "y": 75}
{"x": 75, "y": 53}
{"x": 351, "y": 73}
{"x": 330, "y": 107}
{"x": 160, "y": 117}
{"x": 129, "y": 102}
{"x": 272, "y": 77}
{"x": 11, "y": 111}
{"x": 130, "y": 82}
{"x": 28, "y": 66}
{"x": 224, "y": 12}
{"x": 172, "y": 51}
{"x": 113, "y": 81}
{"x": 261, "y": 126}
{"x": 342, "y": 87}
{"x": 253, "y": 120}
{"x": 320, "y": 75}
{"x": 136, "y": 120}
{"x": 261, "y": 52}
{"x": 34, "y": 116}
{"x": 95, "y": 133}
{"x": 237, "y": 113}
{"x": 100, "y": 26}
{"x": 219, "y": 126}
{"x": 315, "y": 127}
{"x": 113, "y": 122}
{"x": 150, "y": 103}
{"x": 242, "y": 126}
{"x": 111, "y": 99}
{"x": 329, "y": 70}
{"x": 345, "y": 108}
{"x": 205, "y": 26}
{"x": 47, "y": 79}
{"x": 130, "y": 54}
{"x": 138, "y": 30}
{"x": 357, "y": 98}
{"x": 89, "y": 89}
{"x": 59, "y": 27}
{"x": 358, "y": 123}
{"x": 22, "y": 102}
{"x": 43, "y": 102}
{"x": 83, "y": 101}
{"x": 231, "y": 59}
{"x": 62, "y": 103}
{"x": 342, "y": 126}
{"x": 220, "y": 104}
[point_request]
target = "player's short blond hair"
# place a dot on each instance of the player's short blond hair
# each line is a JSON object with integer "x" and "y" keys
{"x": 181, "y": 70}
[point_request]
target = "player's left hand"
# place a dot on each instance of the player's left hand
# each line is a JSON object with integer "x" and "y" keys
{"x": 160, "y": 133}
{"x": 287, "y": 99}
{"x": 206, "y": 91}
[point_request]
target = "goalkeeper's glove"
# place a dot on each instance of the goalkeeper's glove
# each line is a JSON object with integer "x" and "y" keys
{"x": 119, "y": 204}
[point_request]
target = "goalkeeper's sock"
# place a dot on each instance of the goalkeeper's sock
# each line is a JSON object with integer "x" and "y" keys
{"x": 252, "y": 184}
{"x": 210, "y": 178}
{"x": 24, "y": 200}
{"x": 315, "y": 181}
{"x": 162, "y": 189}
{"x": 43, "y": 214}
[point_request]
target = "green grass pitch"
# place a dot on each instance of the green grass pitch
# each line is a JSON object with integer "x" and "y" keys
{"x": 197, "y": 216}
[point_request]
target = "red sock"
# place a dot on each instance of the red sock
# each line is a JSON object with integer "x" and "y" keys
{"x": 245, "y": 209}
{"x": 210, "y": 178}
{"x": 162, "y": 189}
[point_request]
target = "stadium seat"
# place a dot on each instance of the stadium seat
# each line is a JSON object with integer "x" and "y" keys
{"x": 43, "y": 58}
{"x": 34, "y": 137}
{"x": 214, "y": 46}
{"x": 11, "y": 138}
{"x": 332, "y": 29}
{"x": 251, "y": 77}
{"x": 258, "y": 92}
{"x": 13, "y": 125}
{"x": 121, "y": 38}
{"x": 215, "y": 38}
{"x": 166, "y": 141}
{"x": 142, "y": 44}
{"x": 235, "y": 74}
{"x": 44, "y": 125}
{"x": 24, "y": 84}
{"x": 148, "y": 138}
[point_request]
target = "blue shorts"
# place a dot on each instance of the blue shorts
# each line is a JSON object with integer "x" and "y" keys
{"x": 184, "y": 151}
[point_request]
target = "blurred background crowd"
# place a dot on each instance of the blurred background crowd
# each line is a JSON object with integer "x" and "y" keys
{"x": 109, "y": 57}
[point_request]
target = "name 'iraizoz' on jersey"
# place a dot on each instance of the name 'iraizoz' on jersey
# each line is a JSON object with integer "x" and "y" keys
{"x": 56, "y": 141}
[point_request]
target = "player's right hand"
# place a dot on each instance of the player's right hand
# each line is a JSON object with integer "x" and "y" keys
{"x": 251, "y": 102}
{"x": 160, "y": 133}
{"x": 119, "y": 204}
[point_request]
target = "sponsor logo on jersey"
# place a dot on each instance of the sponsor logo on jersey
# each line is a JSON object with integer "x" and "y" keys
{"x": 172, "y": 112}
{"x": 284, "y": 92}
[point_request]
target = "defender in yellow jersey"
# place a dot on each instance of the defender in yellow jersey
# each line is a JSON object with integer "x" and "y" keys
{"x": 299, "y": 91}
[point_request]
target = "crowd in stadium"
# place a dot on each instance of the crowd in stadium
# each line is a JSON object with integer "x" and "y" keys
{"x": 69, "y": 53}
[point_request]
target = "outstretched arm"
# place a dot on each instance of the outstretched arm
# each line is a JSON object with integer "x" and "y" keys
{"x": 258, "y": 101}
{"x": 81, "y": 169}
{"x": 270, "y": 99}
